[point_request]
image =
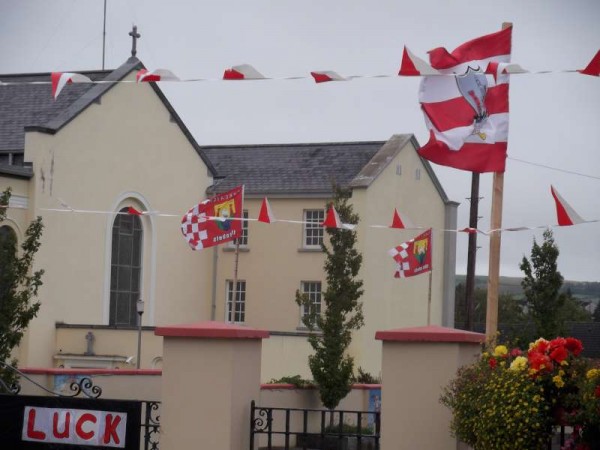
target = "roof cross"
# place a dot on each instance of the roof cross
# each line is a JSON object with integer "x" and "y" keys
{"x": 134, "y": 37}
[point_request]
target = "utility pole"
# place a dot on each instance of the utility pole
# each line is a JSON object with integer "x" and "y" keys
{"x": 104, "y": 36}
{"x": 472, "y": 251}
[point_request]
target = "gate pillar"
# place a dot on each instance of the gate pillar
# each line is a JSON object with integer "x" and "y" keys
{"x": 417, "y": 363}
{"x": 211, "y": 373}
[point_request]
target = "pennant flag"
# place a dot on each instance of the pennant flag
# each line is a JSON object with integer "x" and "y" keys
{"x": 266, "y": 215}
{"x": 146, "y": 76}
{"x": 397, "y": 222}
{"x": 332, "y": 220}
{"x": 243, "y": 72}
{"x": 132, "y": 211}
{"x": 496, "y": 69}
{"x": 201, "y": 231}
{"x": 565, "y": 214}
{"x": 61, "y": 79}
{"x": 412, "y": 65}
{"x": 413, "y": 257}
{"x": 327, "y": 75}
{"x": 593, "y": 68}
{"x": 467, "y": 114}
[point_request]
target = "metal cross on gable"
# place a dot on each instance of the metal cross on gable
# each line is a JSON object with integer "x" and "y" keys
{"x": 134, "y": 37}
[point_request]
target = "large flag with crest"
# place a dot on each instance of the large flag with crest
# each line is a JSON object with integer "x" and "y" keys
{"x": 467, "y": 113}
{"x": 413, "y": 257}
{"x": 215, "y": 220}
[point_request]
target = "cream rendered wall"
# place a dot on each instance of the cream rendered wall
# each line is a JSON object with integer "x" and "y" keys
{"x": 125, "y": 147}
{"x": 390, "y": 302}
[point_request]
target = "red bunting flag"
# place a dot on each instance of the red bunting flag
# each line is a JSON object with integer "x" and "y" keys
{"x": 266, "y": 214}
{"x": 332, "y": 220}
{"x": 412, "y": 65}
{"x": 467, "y": 114}
{"x": 565, "y": 214}
{"x": 413, "y": 257}
{"x": 215, "y": 220}
{"x": 593, "y": 68}
{"x": 133, "y": 212}
{"x": 145, "y": 76}
{"x": 243, "y": 72}
{"x": 327, "y": 75}
{"x": 61, "y": 79}
{"x": 397, "y": 222}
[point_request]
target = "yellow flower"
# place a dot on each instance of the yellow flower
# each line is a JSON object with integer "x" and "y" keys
{"x": 519, "y": 363}
{"x": 558, "y": 381}
{"x": 592, "y": 373}
{"x": 500, "y": 350}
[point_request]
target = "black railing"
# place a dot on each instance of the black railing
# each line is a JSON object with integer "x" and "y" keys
{"x": 314, "y": 428}
{"x": 150, "y": 425}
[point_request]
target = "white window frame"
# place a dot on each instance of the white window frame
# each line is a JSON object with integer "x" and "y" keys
{"x": 240, "y": 301}
{"x": 313, "y": 225}
{"x": 313, "y": 294}
{"x": 244, "y": 238}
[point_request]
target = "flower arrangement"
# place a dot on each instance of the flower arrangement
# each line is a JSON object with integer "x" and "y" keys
{"x": 513, "y": 399}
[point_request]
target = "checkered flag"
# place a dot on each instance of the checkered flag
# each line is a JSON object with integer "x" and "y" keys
{"x": 192, "y": 227}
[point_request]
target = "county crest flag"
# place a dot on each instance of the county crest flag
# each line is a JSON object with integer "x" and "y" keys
{"x": 215, "y": 220}
{"x": 413, "y": 257}
{"x": 466, "y": 111}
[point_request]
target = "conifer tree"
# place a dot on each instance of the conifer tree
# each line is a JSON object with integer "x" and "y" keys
{"x": 541, "y": 287}
{"x": 331, "y": 331}
{"x": 18, "y": 286}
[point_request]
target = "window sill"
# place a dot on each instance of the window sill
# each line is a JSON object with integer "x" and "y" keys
{"x": 232, "y": 249}
{"x": 310, "y": 250}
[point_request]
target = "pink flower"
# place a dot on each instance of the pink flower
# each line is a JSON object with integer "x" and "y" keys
{"x": 515, "y": 352}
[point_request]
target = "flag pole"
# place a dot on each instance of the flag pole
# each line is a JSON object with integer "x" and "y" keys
{"x": 429, "y": 299}
{"x": 491, "y": 318}
{"x": 235, "y": 277}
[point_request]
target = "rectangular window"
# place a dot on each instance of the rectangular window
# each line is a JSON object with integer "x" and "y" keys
{"x": 244, "y": 239}
{"x": 313, "y": 230}
{"x": 240, "y": 301}
{"x": 313, "y": 290}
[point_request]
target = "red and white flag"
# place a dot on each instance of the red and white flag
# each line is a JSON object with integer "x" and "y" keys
{"x": 327, "y": 75}
{"x": 332, "y": 220}
{"x": 214, "y": 221}
{"x": 61, "y": 79}
{"x": 243, "y": 72}
{"x": 266, "y": 214}
{"x": 399, "y": 222}
{"x": 467, "y": 113}
{"x": 145, "y": 76}
{"x": 413, "y": 257}
{"x": 565, "y": 214}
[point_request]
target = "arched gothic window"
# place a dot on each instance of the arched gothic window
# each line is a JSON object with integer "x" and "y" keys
{"x": 126, "y": 269}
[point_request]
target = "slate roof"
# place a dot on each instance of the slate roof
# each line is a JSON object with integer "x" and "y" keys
{"x": 289, "y": 170}
{"x": 30, "y": 107}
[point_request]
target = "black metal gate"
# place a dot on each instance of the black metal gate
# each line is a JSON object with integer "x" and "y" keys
{"x": 60, "y": 419}
{"x": 290, "y": 428}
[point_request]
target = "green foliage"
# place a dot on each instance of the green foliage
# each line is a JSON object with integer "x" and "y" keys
{"x": 541, "y": 287}
{"x": 18, "y": 286}
{"x": 294, "y": 380}
{"x": 365, "y": 377}
{"x": 331, "y": 331}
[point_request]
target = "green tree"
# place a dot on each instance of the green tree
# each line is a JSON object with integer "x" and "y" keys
{"x": 573, "y": 309}
{"x": 331, "y": 331}
{"x": 18, "y": 286}
{"x": 541, "y": 287}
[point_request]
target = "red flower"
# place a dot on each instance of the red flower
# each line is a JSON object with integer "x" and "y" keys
{"x": 597, "y": 391}
{"x": 542, "y": 346}
{"x": 539, "y": 361}
{"x": 574, "y": 346}
{"x": 515, "y": 352}
{"x": 559, "y": 354}
{"x": 493, "y": 363}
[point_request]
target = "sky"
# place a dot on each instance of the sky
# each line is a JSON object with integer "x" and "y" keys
{"x": 554, "y": 117}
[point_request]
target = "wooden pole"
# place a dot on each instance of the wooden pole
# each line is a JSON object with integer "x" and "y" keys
{"x": 472, "y": 252}
{"x": 491, "y": 318}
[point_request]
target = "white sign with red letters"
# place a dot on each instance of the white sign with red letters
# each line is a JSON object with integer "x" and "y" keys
{"x": 74, "y": 426}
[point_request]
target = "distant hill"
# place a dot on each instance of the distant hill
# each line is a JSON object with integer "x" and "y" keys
{"x": 583, "y": 290}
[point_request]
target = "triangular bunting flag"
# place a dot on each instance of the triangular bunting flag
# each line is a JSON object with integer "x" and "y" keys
{"x": 327, "y": 75}
{"x": 60, "y": 80}
{"x": 397, "y": 221}
{"x": 266, "y": 215}
{"x": 593, "y": 68}
{"x": 565, "y": 214}
{"x": 332, "y": 220}
{"x": 412, "y": 65}
{"x": 243, "y": 72}
{"x": 155, "y": 75}
{"x": 132, "y": 211}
